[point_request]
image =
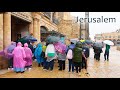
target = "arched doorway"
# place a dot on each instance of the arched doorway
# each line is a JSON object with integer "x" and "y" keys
{"x": 43, "y": 32}
{"x": 19, "y": 28}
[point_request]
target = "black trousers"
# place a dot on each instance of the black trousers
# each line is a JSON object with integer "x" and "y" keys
{"x": 98, "y": 56}
{"x": 61, "y": 65}
{"x": 84, "y": 63}
{"x": 10, "y": 63}
{"x": 78, "y": 66}
{"x": 106, "y": 55}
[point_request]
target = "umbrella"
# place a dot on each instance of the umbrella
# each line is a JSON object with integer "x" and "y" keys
{"x": 60, "y": 47}
{"x": 108, "y": 42}
{"x": 88, "y": 42}
{"x": 22, "y": 40}
{"x": 98, "y": 44}
{"x": 84, "y": 43}
{"x": 72, "y": 46}
{"x": 30, "y": 38}
{"x": 74, "y": 40}
{"x": 52, "y": 39}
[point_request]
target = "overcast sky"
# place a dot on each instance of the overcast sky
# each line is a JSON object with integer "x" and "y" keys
{"x": 97, "y": 28}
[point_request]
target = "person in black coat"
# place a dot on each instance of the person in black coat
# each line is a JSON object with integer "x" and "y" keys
{"x": 97, "y": 51}
{"x": 30, "y": 46}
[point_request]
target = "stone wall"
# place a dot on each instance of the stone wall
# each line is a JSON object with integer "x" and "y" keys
{"x": 65, "y": 27}
{"x": 3, "y": 63}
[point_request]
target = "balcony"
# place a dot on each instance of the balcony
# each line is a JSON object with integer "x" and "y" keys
{"x": 47, "y": 14}
{"x": 55, "y": 21}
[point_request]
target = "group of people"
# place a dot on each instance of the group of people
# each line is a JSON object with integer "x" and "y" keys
{"x": 77, "y": 56}
{"x": 98, "y": 51}
{"x": 21, "y": 56}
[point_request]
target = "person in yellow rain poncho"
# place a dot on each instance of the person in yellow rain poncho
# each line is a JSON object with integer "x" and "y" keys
{"x": 43, "y": 54}
{"x": 82, "y": 41}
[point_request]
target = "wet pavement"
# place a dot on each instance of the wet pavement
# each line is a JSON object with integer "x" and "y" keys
{"x": 96, "y": 69}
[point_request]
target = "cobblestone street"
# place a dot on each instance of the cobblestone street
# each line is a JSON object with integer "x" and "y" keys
{"x": 96, "y": 69}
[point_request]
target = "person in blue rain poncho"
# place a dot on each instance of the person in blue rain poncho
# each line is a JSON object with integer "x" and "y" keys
{"x": 37, "y": 53}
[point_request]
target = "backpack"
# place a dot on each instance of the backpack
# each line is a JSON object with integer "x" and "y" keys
{"x": 69, "y": 54}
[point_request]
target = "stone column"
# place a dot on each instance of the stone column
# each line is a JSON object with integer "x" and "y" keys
{"x": 39, "y": 34}
{"x": 31, "y": 27}
{"x": 35, "y": 28}
{"x": 1, "y": 32}
{"x": 7, "y": 29}
{"x": 51, "y": 17}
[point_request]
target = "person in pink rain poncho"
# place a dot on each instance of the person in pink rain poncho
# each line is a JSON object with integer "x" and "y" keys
{"x": 18, "y": 58}
{"x": 28, "y": 58}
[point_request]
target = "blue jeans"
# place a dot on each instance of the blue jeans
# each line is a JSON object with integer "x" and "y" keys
{"x": 44, "y": 63}
{"x": 50, "y": 65}
{"x": 71, "y": 64}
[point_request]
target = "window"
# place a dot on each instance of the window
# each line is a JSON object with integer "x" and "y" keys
{"x": 118, "y": 36}
{"x": 105, "y": 36}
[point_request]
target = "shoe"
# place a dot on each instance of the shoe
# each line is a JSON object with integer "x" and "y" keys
{"x": 8, "y": 69}
{"x": 50, "y": 70}
{"x": 29, "y": 69}
{"x": 35, "y": 60}
{"x": 25, "y": 69}
{"x": 60, "y": 69}
{"x": 44, "y": 69}
{"x": 12, "y": 69}
{"x": 79, "y": 73}
{"x": 22, "y": 71}
{"x": 18, "y": 72}
{"x": 39, "y": 65}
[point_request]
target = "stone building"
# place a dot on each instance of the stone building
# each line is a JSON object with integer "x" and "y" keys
{"x": 113, "y": 36}
{"x": 68, "y": 26}
{"x": 15, "y": 24}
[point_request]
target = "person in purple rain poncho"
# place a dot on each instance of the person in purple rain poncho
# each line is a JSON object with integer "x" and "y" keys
{"x": 7, "y": 53}
{"x": 28, "y": 58}
{"x": 61, "y": 53}
{"x": 18, "y": 58}
{"x": 10, "y": 49}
